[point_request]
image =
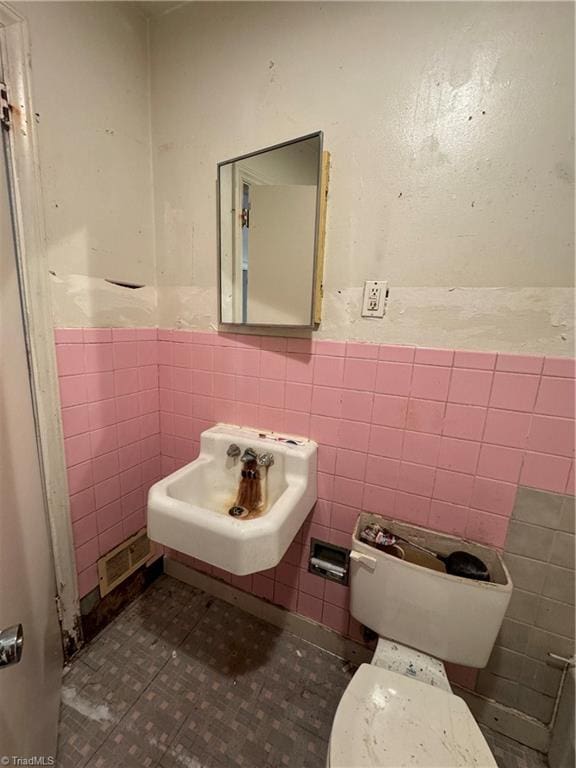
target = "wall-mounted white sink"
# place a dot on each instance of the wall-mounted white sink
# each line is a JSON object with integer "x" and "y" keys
{"x": 190, "y": 509}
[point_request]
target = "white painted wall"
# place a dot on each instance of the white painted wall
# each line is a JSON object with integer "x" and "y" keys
{"x": 91, "y": 91}
{"x": 450, "y": 127}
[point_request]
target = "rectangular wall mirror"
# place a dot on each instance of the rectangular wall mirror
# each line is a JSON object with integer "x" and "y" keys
{"x": 269, "y": 207}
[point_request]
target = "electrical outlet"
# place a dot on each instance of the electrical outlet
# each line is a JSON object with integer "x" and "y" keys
{"x": 375, "y": 296}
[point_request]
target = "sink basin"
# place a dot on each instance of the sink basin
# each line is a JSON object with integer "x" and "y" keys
{"x": 190, "y": 509}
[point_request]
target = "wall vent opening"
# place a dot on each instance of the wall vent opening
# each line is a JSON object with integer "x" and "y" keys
{"x": 122, "y": 561}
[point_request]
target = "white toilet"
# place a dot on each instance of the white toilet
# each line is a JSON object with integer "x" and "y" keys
{"x": 399, "y": 710}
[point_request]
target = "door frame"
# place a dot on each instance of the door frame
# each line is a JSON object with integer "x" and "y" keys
{"x": 25, "y": 190}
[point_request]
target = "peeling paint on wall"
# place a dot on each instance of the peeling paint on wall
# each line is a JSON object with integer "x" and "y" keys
{"x": 79, "y": 301}
{"x": 529, "y": 320}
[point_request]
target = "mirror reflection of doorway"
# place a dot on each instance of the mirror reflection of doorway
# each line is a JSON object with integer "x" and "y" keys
{"x": 245, "y": 236}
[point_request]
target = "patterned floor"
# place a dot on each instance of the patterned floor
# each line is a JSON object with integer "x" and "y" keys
{"x": 182, "y": 680}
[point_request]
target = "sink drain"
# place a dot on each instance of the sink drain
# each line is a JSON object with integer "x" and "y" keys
{"x": 238, "y": 512}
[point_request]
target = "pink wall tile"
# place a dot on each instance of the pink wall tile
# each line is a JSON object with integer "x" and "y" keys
{"x": 507, "y": 428}
{"x": 549, "y": 473}
{"x": 482, "y": 360}
{"x": 100, "y": 386}
{"x": 416, "y": 478}
{"x": 556, "y": 397}
{"x": 77, "y": 449}
{"x": 448, "y": 518}
{"x": 354, "y": 435}
{"x": 110, "y": 538}
{"x": 430, "y": 382}
{"x": 465, "y": 421}
{"x": 560, "y": 366}
{"x": 332, "y": 348}
{"x": 362, "y": 350}
{"x": 105, "y": 466}
{"x": 396, "y": 353}
{"x": 519, "y": 363}
{"x": 70, "y": 336}
{"x": 70, "y": 359}
{"x": 470, "y": 386}
{"x": 425, "y": 416}
{"x": 493, "y": 496}
{"x": 336, "y": 618}
{"x": 271, "y": 393}
{"x": 359, "y": 374}
{"x": 73, "y": 390}
{"x": 300, "y": 368}
{"x": 382, "y": 471}
{"x": 421, "y": 448}
{"x": 87, "y": 580}
{"x": 329, "y": 371}
{"x": 411, "y": 508}
{"x": 273, "y": 365}
{"x": 434, "y": 356}
{"x": 298, "y": 397}
{"x": 109, "y": 515}
{"x": 500, "y": 463}
{"x": 378, "y": 500}
{"x": 549, "y": 434}
{"x": 98, "y": 357}
{"x": 87, "y": 554}
{"x": 390, "y": 410}
{"x": 571, "y": 484}
{"x": 310, "y": 606}
{"x": 92, "y": 335}
{"x": 84, "y": 529}
{"x": 459, "y": 455}
{"x": 327, "y": 401}
{"x": 393, "y": 378}
{"x": 356, "y": 406}
{"x": 350, "y": 464}
{"x": 388, "y": 440}
{"x": 106, "y": 492}
{"x": 453, "y": 486}
{"x": 80, "y": 477}
{"x": 312, "y": 584}
{"x": 515, "y": 391}
{"x": 82, "y": 504}
{"x": 486, "y": 528}
{"x": 343, "y": 517}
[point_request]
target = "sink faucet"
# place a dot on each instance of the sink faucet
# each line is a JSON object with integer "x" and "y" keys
{"x": 233, "y": 451}
{"x": 249, "y": 455}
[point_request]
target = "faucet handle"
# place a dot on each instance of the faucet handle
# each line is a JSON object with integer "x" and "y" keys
{"x": 249, "y": 455}
{"x": 265, "y": 460}
{"x": 233, "y": 450}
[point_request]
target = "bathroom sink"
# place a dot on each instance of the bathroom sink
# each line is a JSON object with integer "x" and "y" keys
{"x": 195, "y": 510}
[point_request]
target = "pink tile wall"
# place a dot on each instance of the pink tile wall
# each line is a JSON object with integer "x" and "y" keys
{"x": 110, "y": 414}
{"x": 436, "y": 437}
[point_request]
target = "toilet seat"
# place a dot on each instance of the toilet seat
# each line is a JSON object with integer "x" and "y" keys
{"x": 387, "y": 720}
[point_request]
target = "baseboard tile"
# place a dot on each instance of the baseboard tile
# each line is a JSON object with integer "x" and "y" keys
{"x": 507, "y": 721}
{"x": 498, "y": 717}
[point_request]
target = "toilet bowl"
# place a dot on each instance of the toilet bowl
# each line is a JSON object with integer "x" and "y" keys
{"x": 400, "y": 710}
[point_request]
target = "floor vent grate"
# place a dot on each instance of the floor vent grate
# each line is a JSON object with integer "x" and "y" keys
{"x": 120, "y": 562}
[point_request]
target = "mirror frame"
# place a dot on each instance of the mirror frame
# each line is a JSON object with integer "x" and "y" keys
{"x": 312, "y": 323}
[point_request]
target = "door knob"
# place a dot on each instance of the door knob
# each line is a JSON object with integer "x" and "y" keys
{"x": 11, "y": 641}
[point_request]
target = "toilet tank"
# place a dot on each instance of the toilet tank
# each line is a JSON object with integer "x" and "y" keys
{"x": 415, "y": 602}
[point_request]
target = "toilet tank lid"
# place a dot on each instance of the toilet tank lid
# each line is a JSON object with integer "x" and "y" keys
{"x": 388, "y": 720}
